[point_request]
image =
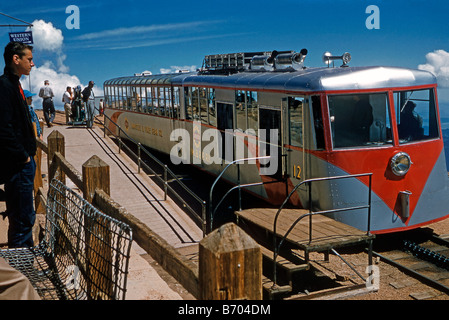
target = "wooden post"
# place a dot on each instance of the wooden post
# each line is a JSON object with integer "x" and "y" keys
{"x": 38, "y": 183}
{"x": 97, "y": 231}
{"x": 230, "y": 265}
{"x": 56, "y": 143}
{"x": 95, "y": 175}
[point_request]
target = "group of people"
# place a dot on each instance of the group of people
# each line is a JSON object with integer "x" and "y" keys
{"x": 19, "y": 127}
{"x": 76, "y": 103}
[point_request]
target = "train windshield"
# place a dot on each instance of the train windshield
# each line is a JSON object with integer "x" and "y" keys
{"x": 416, "y": 115}
{"x": 360, "y": 120}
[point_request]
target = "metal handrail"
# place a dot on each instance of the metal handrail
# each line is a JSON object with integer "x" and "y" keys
{"x": 167, "y": 172}
{"x": 239, "y": 187}
{"x": 310, "y": 213}
{"x": 212, "y": 212}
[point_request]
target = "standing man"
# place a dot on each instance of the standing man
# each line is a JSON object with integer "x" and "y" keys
{"x": 17, "y": 146}
{"x": 67, "y": 100}
{"x": 46, "y": 93}
{"x": 89, "y": 99}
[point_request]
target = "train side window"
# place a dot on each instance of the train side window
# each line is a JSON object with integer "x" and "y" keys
{"x": 117, "y": 97}
{"x": 195, "y": 104}
{"x": 165, "y": 101}
{"x": 149, "y": 100}
{"x": 108, "y": 97}
{"x": 161, "y": 101}
{"x": 359, "y": 120}
{"x": 138, "y": 99}
{"x": 154, "y": 99}
{"x": 211, "y": 107}
{"x": 416, "y": 115}
{"x": 252, "y": 112}
{"x": 112, "y": 98}
{"x": 318, "y": 122}
{"x": 203, "y": 105}
{"x": 295, "y": 110}
{"x": 168, "y": 103}
{"x": 176, "y": 101}
{"x": 188, "y": 102}
{"x": 240, "y": 110}
{"x": 122, "y": 97}
{"x": 128, "y": 97}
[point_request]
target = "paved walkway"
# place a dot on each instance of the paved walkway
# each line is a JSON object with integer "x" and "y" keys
{"x": 141, "y": 197}
{"x": 134, "y": 191}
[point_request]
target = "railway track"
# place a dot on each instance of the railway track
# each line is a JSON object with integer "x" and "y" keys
{"x": 423, "y": 256}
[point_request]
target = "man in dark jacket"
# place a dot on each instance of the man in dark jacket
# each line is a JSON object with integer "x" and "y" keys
{"x": 17, "y": 146}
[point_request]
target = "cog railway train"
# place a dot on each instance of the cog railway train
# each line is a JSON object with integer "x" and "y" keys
{"x": 315, "y": 122}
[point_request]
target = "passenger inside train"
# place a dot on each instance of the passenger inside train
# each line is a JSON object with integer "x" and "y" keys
{"x": 416, "y": 115}
{"x": 410, "y": 127}
{"x": 359, "y": 120}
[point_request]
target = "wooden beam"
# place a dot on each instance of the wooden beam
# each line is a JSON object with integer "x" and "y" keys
{"x": 96, "y": 175}
{"x": 230, "y": 265}
{"x": 55, "y": 143}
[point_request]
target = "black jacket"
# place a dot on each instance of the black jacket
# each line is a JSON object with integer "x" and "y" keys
{"x": 17, "y": 137}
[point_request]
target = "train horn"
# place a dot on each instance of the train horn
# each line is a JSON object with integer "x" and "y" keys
{"x": 328, "y": 58}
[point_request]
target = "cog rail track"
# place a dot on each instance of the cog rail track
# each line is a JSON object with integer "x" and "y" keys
{"x": 427, "y": 261}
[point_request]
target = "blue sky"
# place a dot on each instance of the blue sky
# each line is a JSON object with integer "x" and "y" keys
{"x": 118, "y": 38}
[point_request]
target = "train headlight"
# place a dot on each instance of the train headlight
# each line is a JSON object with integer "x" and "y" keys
{"x": 400, "y": 163}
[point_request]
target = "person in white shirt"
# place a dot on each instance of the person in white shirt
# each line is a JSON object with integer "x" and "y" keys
{"x": 46, "y": 93}
{"x": 67, "y": 100}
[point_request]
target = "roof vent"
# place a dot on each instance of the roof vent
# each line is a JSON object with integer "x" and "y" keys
{"x": 293, "y": 60}
{"x": 263, "y": 62}
{"x": 228, "y": 63}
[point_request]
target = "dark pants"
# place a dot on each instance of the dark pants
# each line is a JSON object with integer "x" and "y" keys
{"x": 49, "y": 110}
{"x": 20, "y": 206}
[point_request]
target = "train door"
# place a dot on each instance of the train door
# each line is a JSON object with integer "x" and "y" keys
{"x": 270, "y": 139}
{"x": 225, "y": 121}
{"x": 293, "y": 137}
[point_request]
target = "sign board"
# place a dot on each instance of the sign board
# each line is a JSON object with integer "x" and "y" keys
{"x": 24, "y": 37}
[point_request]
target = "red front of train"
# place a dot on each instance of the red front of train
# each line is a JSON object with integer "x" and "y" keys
{"x": 394, "y": 134}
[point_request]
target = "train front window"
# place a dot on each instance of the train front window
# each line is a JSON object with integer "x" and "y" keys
{"x": 360, "y": 120}
{"x": 416, "y": 115}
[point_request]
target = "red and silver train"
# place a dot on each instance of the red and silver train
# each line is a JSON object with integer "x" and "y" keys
{"x": 312, "y": 122}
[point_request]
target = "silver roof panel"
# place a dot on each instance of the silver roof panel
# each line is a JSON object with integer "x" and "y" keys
{"x": 306, "y": 80}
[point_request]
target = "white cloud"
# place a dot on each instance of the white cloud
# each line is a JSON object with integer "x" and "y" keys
{"x": 48, "y": 39}
{"x": 132, "y": 31}
{"x": 148, "y": 36}
{"x": 438, "y": 64}
{"x": 174, "y": 69}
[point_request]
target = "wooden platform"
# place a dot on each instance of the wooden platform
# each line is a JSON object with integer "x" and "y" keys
{"x": 326, "y": 232}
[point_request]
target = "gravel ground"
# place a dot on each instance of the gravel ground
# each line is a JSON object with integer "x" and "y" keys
{"x": 393, "y": 283}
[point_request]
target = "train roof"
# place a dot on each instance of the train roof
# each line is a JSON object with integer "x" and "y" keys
{"x": 303, "y": 80}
